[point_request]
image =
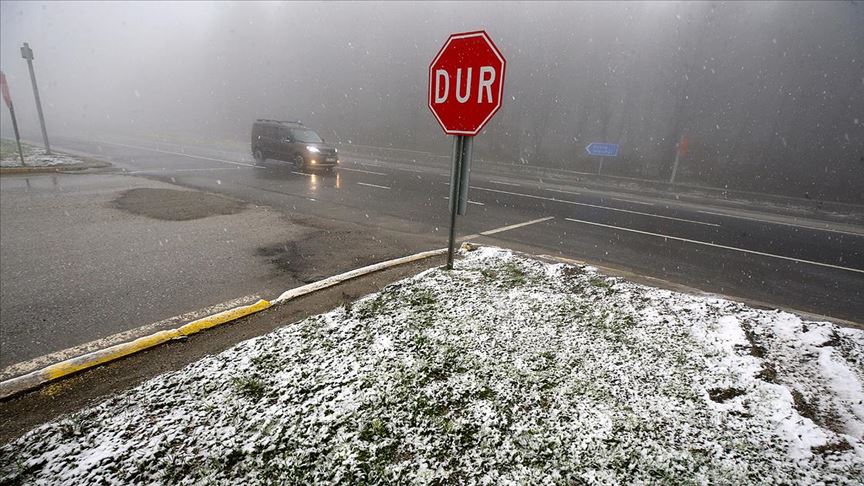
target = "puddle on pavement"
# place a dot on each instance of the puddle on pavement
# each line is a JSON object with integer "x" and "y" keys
{"x": 174, "y": 205}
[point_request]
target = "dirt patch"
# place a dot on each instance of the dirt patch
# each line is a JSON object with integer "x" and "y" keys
{"x": 174, "y": 205}
{"x": 572, "y": 271}
{"x": 833, "y": 341}
{"x": 768, "y": 373}
{"x": 804, "y": 408}
{"x": 720, "y": 395}
{"x": 831, "y": 448}
{"x": 755, "y": 349}
{"x": 824, "y": 418}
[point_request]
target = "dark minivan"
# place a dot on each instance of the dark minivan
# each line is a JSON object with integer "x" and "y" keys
{"x": 292, "y": 142}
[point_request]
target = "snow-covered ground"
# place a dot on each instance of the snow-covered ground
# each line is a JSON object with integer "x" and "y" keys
{"x": 507, "y": 370}
{"x": 34, "y": 156}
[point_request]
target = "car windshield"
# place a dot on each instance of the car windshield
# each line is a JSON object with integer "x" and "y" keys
{"x": 306, "y": 136}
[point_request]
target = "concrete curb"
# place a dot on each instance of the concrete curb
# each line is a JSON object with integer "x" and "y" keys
{"x": 329, "y": 282}
{"x": 36, "y": 378}
{"x": 29, "y": 381}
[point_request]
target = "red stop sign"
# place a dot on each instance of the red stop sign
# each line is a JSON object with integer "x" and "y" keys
{"x": 466, "y": 83}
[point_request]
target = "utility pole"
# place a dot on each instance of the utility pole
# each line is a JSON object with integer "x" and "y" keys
{"x": 27, "y": 54}
{"x": 680, "y": 149}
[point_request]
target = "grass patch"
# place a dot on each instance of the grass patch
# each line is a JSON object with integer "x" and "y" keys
{"x": 421, "y": 298}
{"x": 721, "y": 395}
{"x": 250, "y": 387}
{"x": 8, "y": 148}
{"x": 72, "y": 427}
{"x": 374, "y": 430}
{"x": 508, "y": 275}
{"x": 373, "y": 307}
{"x": 264, "y": 362}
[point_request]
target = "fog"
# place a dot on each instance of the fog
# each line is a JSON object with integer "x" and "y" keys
{"x": 769, "y": 95}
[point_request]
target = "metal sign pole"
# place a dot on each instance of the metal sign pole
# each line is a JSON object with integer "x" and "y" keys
{"x": 27, "y": 53}
{"x": 17, "y": 136}
{"x": 455, "y": 179}
{"x": 677, "y": 158}
{"x": 464, "y": 173}
{"x": 7, "y": 98}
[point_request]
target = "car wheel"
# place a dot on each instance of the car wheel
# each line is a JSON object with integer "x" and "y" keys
{"x": 298, "y": 162}
{"x": 259, "y": 156}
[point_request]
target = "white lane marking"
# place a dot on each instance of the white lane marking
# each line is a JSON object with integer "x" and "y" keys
{"x": 717, "y": 214}
{"x": 562, "y": 192}
{"x": 504, "y": 183}
{"x": 200, "y": 157}
{"x": 631, "y": 201}
{"x": 302, "y": 173}
{"x": 594, "y": 206}
{"x": 715, "y": 245}
{"x": 514, "y": 226}
{"x": 203, "y": 170}
{"x": 361, "y": 170}
{"x": 813, "y": 227}
{"x": 25, "y": 367}
{"x": 505, "y": 228}
{"x": 171, "y": 171}
{"x": 469, "y": 201}
{"x": 406, "y": 169}
{"x": 373, "y": 185}
{"x": 416, "y": 171}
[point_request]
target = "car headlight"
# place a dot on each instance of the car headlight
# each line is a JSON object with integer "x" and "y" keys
{"x": 312, "y": 149}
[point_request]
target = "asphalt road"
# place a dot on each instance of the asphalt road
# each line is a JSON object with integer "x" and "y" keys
{"x": 806, "y": 264}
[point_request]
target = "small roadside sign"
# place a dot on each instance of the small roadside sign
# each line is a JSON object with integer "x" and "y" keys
{"x": 600, "y": 149}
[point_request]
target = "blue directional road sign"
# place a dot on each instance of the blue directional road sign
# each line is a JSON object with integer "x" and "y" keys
{"x": 603, "y": 149}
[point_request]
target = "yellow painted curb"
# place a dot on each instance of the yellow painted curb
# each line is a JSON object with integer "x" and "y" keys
{"x": 29, "y": 381}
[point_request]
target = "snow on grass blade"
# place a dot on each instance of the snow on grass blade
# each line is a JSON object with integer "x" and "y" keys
{"x": 505, "y": 371}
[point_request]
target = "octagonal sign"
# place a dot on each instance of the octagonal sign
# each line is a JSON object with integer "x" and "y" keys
{"x": 466, "y": 83}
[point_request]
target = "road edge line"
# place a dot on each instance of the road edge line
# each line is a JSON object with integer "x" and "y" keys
{"x": 34, "y": 379}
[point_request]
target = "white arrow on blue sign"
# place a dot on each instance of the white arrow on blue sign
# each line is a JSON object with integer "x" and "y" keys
{"x": 603, "y": 149}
